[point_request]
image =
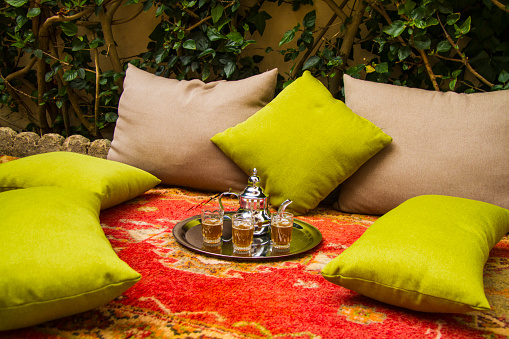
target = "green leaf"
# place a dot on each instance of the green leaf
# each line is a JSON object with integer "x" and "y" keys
{"x": 382, "y": 68}
{"x": 456, "y": 73}
{"x": 70, "y": 75}
{"x": 453, "y": 18}
{"x": 443, "y": 46}
{"x": 503, "y": 77}
{"x": 111, "y": 117}
{"x": 432, "y": 21}
{"x": 208, "y": 51}
{"x": 230, "y": 68}
{"x": 355, "y": 70}
{"x": 189, "y": 44}
{"x": 69, "y": 28}
{"x": 452, "y": 84}
{"x": 395, "y": 29}
{"x": 49, "y": 76}
{"x": 422, "y": 43}
{"x": 147, "y": 5}
{"x": 287, "y": 37}
{"x": 160, "y": 55}
{"x": 96, "y": 43}
{"x": 260, "y": 21}
{"x": 464, "y": 28}
{"x": 235, "y": 36}
{"x": 160, "y": 10}
{"x": 62, "y": 91}
{"x": 445, "y": 8}
{"x": 287, "y": 83}
{"x": 205, "y": 73}
{"x": 99, "y": 2}
{"x": 327, "y": 54}
{"x": 16, "y": 3}
{"x": 33, "y": 12}
{"x": 78, "y": 45}
{"x": 404, "y": 52}
{"x": 213, "y": 34}
{"x": 418, "y": 14}
{"x": 310, "y": 19}
{"x": 381, "y": 41}
{"x": 20, "y": 21}
{"x": 311, "y": 62}
{"x": 217, "y": 12}
{"x": 81, "y": 73}
{"x": 38, "y": 53}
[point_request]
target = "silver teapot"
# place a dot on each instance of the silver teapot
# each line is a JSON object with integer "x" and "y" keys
{"x": 253, "y": 200}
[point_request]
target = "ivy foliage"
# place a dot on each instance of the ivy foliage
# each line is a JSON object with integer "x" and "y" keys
{"x": 459, "y": 45}
{"x": 51, "y": 70}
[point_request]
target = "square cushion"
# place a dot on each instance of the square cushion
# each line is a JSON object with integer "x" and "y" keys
{"x": 444, "y": 143}
{"x": 303, "y": 144}
{"x": 56, "y": 260}
{"x": 115, "y": 182}
{"x": 165, "y": 125}
{"x": 427, "y": 255}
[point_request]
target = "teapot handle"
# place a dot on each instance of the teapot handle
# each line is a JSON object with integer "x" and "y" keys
{"x": 226, "y": 193}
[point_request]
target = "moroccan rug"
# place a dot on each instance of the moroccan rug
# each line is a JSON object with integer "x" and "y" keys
{"x": 183, "y": 294}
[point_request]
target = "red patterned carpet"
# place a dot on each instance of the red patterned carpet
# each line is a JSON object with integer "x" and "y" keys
{"x": 187, "y": 295}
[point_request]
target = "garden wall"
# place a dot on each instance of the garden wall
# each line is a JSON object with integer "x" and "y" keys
{"x": 24, "y": 144}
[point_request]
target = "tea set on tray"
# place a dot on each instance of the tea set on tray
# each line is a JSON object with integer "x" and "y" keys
{"x": 250, "y": 224}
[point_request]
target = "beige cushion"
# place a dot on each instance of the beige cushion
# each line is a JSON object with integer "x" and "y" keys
{"x": 165, "y": 125}
{"x": 443, "y": 143}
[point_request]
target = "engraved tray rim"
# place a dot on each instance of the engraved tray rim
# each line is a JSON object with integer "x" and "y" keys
{"x": 306, "y": 230}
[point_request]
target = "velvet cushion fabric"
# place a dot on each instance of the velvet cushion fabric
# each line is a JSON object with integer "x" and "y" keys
{"x": 304, "y": 143}
{"x": 56, "y": 260}
{"x": 427, "y": 255}
{"x": 114, "y": 181}
{"x": 444, "y": 143}
{"x": 165, "y": 125}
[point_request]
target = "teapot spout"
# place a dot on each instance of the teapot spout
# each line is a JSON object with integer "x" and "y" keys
{"x": 283, "y": 206}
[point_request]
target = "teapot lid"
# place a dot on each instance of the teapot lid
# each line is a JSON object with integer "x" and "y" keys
{"x": 253, "y": 189}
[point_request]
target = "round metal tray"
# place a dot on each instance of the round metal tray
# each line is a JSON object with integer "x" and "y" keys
{"x": 188, "y": 233}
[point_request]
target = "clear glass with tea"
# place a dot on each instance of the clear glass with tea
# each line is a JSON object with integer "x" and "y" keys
{"x": 281, "y": 227}
{"x": 242, "y": 232}
{"x": 212, "y": 225}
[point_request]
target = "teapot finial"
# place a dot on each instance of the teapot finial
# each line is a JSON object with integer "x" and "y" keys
{"x": 254, "y": 180}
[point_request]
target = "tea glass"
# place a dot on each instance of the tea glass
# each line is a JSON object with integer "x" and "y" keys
{"x": 212, "y": 225}
{"x": 281, "y": 226}
{"x": 242, "y": 231}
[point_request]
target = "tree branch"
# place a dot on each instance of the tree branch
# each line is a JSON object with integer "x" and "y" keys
{"x": 463, "y": 57}
{"x": 500, "y": 5}
{"x": 348, "y": 40}
{"x": 338, "y": 10}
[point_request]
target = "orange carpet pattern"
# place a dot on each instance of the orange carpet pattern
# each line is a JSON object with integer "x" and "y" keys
{"x": 183, "y": 294}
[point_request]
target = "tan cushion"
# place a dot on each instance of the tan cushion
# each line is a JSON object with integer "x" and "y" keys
{"x": 165, "y": 125}
{"x": 443, "y": 143}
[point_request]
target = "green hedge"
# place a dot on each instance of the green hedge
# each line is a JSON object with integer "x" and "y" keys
{"x": 50, "y": 47}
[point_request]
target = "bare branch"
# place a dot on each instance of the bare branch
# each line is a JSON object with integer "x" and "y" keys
{"x": 500, "y": 5}
{"x": 338, "y": 10}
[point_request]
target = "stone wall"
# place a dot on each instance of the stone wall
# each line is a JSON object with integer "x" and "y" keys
{"x": 28, "y": 143}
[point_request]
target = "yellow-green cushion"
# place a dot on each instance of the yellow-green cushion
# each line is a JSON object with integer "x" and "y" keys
{"x": 56, "y": 260}
{"x": 115, "y": 181}
{"x": 427, "y": 254}
{"x": 304, "y": 143}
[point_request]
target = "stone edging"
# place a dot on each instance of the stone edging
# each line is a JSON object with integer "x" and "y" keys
{"x": 28, "y": 143}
